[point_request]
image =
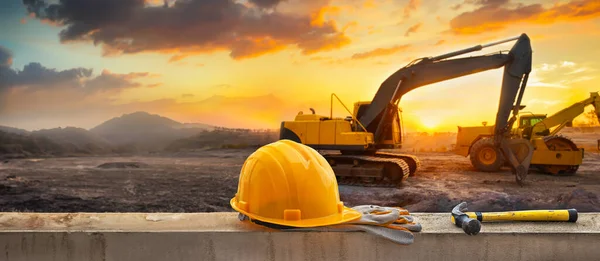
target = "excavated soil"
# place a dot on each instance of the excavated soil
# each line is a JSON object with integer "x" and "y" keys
{"x": 205, "y": 182}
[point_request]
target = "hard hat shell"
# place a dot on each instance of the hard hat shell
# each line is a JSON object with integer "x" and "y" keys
{"x": 291, "y": 184}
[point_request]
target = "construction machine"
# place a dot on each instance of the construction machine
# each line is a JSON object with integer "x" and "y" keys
{"x": 353, "y": 145}
{"x": 553, "y": 153}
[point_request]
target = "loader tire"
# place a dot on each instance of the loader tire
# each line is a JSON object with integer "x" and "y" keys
{"x": 485, "y": 156}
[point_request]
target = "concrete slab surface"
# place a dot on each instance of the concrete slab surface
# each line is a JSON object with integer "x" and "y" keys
{"x": 221, "y": 236}
{"x": 228, "y": 222}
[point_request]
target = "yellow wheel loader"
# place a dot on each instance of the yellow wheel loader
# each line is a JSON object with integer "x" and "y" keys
{"x": 553, "y": 153}
{"x": 352, "y": 145}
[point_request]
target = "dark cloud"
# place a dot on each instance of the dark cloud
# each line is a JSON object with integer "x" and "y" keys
{"x": 380, "y": 52}
{"x": 113, "y": 81}
{"x": 5, "y": 57}
{"x": 266, "y": 3}
{"x": 487, "y": 2}
{"x": 187, "y": 27}
{"x": 492, "y": 15}
{"x": 413, "y": 29}
{"x": 35, "y": 76}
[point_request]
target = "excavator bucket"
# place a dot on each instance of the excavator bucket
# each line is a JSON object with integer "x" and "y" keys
{"x": 519, "y": 153}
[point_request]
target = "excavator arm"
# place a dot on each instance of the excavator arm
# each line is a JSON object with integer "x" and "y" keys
{"x": 517, "y": 66}
{"x": 562, "y": 117}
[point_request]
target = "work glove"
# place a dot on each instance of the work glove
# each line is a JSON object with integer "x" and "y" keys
{"x": 391, "y": 217}
{"x": 392, "y": 223}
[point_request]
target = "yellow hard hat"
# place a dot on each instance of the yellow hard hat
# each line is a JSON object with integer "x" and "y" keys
{"x": 290, "y": 184}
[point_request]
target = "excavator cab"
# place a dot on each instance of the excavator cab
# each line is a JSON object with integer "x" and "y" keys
{"x": 392, "y": 135}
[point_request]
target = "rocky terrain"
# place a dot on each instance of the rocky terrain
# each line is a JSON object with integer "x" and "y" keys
{"x": 205, "y": 181}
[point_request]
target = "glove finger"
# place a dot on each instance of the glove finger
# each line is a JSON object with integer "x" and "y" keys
{"x": 372, "y": 209}
{"x": 404, "y": 219}
{"x": 413, "y": 227}
{"x": 384, "y": 210}
{"x": 402, "y": 211}
{"x": 368, "y": 218}
{"x": 375, "y": 209}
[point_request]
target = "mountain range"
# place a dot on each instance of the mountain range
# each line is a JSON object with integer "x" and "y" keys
{"x": 129, "y": 133}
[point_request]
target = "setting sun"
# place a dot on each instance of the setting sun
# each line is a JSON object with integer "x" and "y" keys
{"x": 430, "y": 123}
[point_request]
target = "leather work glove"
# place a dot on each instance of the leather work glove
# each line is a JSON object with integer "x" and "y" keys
{"x": 392, "y": 223}
{"x": 391, "y": 217}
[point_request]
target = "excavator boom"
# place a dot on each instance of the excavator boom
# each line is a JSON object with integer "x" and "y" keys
{"x": 432, "y": 70}
{"x": 517, "y": 66}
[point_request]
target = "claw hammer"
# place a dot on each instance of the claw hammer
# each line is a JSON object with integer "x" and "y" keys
{"x": 471, "y": 221}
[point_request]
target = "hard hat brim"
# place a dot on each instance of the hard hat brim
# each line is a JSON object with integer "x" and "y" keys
{"x": 347, "y": 215}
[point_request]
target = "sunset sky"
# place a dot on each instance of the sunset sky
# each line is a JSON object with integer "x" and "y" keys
{"x": 255, "y": 63}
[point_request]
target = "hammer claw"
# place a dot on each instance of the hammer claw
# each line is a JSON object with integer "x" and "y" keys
{"x": 462, "y": 220}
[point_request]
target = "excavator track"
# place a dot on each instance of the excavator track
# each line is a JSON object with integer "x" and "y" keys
{"x": 558, "y": 143}
{"x": 370, "y": 170}
{"x": 413, "y": 162}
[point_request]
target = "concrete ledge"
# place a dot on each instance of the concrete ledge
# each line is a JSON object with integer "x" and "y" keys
{"x": 221, "y": 236}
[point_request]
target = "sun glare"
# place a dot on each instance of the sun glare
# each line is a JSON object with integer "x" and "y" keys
{"x": 430, "y": 123}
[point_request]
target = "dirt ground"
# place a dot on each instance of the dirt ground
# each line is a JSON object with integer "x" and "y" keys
{"x": 205, "y": 182}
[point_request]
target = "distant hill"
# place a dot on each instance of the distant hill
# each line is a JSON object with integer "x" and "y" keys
{"x": 13, "y": 145}
{"x": 68, "y": 141}
{"x": 76, "y": 140}
{"x": 201, "y": 126}
{"x": 13, "y": 130}
{"x": 145, "y": 131}
{"x": 225, "y": 138}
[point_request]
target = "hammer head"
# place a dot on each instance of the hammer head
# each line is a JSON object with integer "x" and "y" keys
{"x": 469, "y": 225}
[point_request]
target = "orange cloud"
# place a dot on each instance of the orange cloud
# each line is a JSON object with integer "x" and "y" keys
{"x": 412, "y": 6}
{"x": 494, "y": 16}
{"x": 572, "y": 11}
{"x": 373, "y": 30}
{"x": 154, "y": 85}
{"x": 440, "y": 19}
{"x": 440, "y": 42}
{"x": 380, "y": 52}
{"x": 177, "y": 58}
{"x": 413, "y": 29}
{"x": 350, "y": 27}
{"x": 318, "y": 18}
{"x": 328, "y": 43}
{"x": 369, "y": 4}
{"x": 249, "y": 48}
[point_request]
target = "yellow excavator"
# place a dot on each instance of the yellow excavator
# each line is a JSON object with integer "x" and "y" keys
{"x": 553, "y": 153}
{"x": 352, "y": 145}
